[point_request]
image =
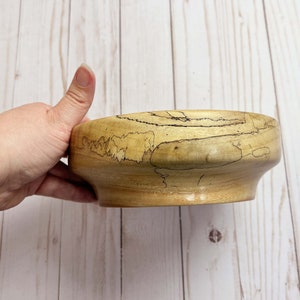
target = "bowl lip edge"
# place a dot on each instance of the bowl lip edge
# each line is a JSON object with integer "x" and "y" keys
{"x": 200, "y": 111}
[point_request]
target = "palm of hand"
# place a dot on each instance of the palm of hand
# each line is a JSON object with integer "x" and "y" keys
{"x": 35, "y": 137}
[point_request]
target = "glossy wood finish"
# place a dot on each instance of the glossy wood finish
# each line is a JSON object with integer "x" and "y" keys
{"x": 175, "y": 157}
{"x": 157, "y": 55}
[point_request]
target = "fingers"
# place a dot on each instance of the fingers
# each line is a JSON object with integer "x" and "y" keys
{"x": 63, "y": 171}
{"x": 60, "y": 182}
{"x": 73, "y": 107}
{"x": 56, "y": 187}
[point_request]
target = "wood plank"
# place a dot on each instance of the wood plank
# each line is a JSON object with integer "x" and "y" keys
{"x": 283, "y": 25}
{"x": 219, "y": 65}
{"x": 90, "y": 253}
{"x": 29, "y": 266}
{"x": 90, "y": 250}
{"x": 209, "y": 252}
{"x": 146, "y": 56}
{"x": 221, "y": 60}
{"x": 151, "y": 258}
{"x": 9, "y": 30}
{"x": 209, "y": 245}
{"x": 9, "y": 26}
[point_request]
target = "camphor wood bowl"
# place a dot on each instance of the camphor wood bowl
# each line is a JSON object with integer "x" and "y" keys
{"x": 175, "y": 157}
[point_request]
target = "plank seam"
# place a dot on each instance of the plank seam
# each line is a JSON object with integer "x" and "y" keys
{"x": 172, "y": 53}
{"x": 62, "y": 206}
{"x": 121, "y": 109}
{"x": 17, "y": 50}
{"x": 283, "y": 148}
{"x": 181, "y": 253}
{"x": 175, "y": 106}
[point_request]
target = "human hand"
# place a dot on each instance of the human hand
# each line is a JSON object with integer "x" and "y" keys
{"x": 34, "y": 137}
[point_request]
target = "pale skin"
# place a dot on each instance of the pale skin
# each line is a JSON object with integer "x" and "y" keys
{"x": 35, "y": 137}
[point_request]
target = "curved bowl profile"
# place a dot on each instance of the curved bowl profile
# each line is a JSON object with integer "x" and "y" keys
{"x": 175, "y": 157}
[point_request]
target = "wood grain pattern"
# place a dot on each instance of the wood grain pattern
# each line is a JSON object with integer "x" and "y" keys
{"x": 157, "y": 55}
{"x": 151, "y": 257}
{"x": 9, "y": 35}
{"x": 90, "y": 250}
{"x": 186, "y": 157}
{"x": 197, "y": 73}
{"x": 29, "y": 263}
{"x": 234, "y": 51}
{"x": 283, "y": 34}
{"x": 9, "y": 26}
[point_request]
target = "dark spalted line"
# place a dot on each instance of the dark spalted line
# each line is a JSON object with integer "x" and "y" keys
{"x": 192, "y": 168}
{"x": 233, "y": 135}
{"x": 185, "y": 118}
{"x": 157, "y": 169}
{"x": 238, "y": 122}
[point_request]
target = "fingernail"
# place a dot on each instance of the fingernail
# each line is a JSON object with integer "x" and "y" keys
{"x": 83, "y": 77}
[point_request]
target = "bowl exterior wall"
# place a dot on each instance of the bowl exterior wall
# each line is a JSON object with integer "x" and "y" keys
{"x": 175, "y": 157}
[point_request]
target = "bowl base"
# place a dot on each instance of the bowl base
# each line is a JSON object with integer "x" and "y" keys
{"x": 117, "y": 197}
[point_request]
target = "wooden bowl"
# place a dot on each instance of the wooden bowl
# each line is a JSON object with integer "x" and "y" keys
{"x": 175, "y": 157}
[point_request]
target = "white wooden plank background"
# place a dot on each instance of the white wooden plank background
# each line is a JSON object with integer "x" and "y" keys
{"x": 150, "y": 55}
{"x": 90, "y": 241}
{"x": 147, "y": 84}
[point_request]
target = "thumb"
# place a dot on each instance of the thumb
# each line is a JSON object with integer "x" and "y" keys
{"x": 73, "y": 107}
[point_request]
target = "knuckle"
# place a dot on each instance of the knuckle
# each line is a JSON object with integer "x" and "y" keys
{"x": 76, "y": 97}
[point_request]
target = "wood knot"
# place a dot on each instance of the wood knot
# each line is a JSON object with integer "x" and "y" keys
{"x": 215, "y": 236}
